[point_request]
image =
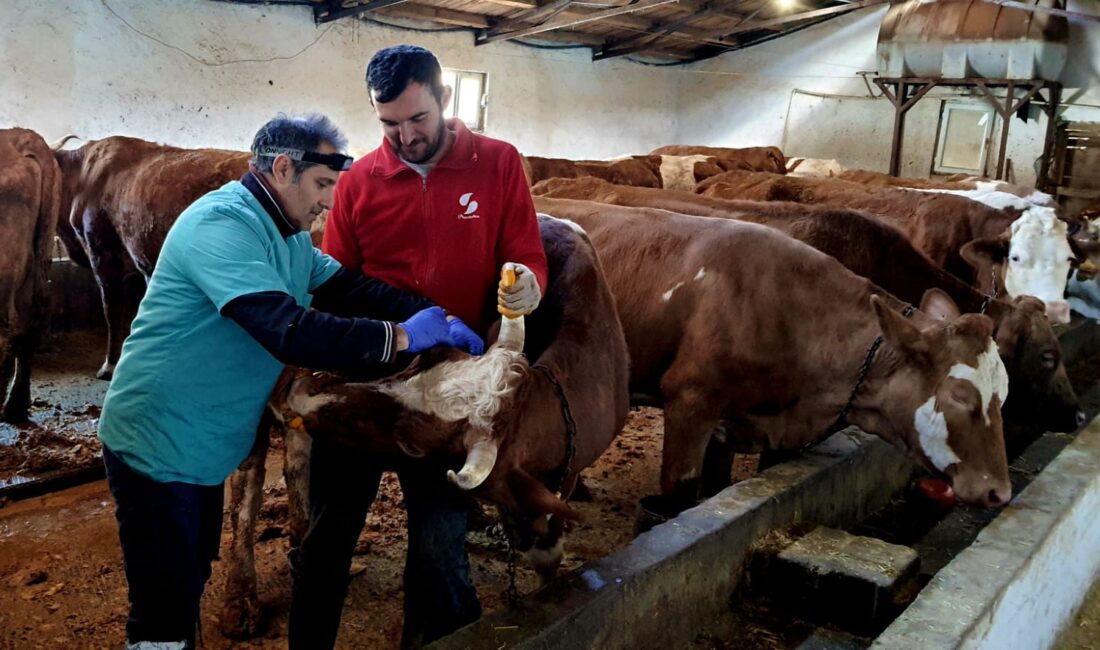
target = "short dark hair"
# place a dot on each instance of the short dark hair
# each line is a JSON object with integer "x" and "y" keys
{"x": 392, "y": 69}
{"x": 305, "y": 132}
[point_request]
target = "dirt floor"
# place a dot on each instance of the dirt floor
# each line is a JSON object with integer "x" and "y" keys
{"x": 66, "y": 397}
{"x": 61, "y": 579}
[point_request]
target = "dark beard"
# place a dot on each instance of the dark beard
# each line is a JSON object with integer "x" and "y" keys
{"x": 440, "y": 138}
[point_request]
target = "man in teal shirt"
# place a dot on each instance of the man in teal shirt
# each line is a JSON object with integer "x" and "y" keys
{"x": 226, "y": 308}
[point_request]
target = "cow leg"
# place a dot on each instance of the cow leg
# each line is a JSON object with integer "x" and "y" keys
{"x": 240, "y": 617}
{"x": 18, "y": 406}
{"x": 548, "y": 551}
{"x": 296, "y": 474}
{"x": 717, "y": 465}
{"x": 105, "y": 252}
{"x": 691, "y": 415}
{"x": 7, "y": 365}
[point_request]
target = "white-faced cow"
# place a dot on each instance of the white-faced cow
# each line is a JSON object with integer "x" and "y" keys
{"x": 1032, "y": 259}
{"x": 521, "y": 425}
{"x": 735, "y": 323}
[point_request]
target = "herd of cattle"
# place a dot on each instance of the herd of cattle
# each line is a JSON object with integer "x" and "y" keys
{"x": 746, "y": 294}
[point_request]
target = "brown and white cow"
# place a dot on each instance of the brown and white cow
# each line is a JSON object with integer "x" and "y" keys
{"x": 968, "y": 184}
{"x": 1041, "y": 393}
{"x": 1029, "y": 252}
{"x": 759, "y": 159}
{"x": 736, "y": 323}
{"x": 120, "y": 196}
{"x": 500, "y": 412}
{"x": 29, "y": 189}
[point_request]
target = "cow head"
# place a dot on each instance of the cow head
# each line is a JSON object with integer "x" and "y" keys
{"x": 947, "y": 387}
{"x": 1034, "y": 260}
{"x": 1041, "y": 392}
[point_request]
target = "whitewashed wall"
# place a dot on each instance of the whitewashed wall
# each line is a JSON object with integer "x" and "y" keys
{"x": 801, "y": 91}
{"x": 221, "y": 70}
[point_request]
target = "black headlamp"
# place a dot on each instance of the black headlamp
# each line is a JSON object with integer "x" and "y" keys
{"x": 335, "y": 161}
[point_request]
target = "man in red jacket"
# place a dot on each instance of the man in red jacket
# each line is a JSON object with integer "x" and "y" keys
{"x": 435, "y": 210}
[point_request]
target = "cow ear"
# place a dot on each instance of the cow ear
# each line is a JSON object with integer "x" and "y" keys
{"x": 897, "y": 330}
{"x": 1085, "y": 249}
{"x": 983, "y": 252}
{"x": 939, "y": 305}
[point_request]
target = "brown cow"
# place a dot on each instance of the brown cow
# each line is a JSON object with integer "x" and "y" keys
{"x": 1041, "y": 394}
{"x": 29, "y": 190}
{"x": 518, "y": 424}
{"x": 1029, "y": 252}
{"x": 755, "y": 159}
{"x": 641, "y": 171}
{"x": 735, "y": 323}
{"x": 121, "y": 195}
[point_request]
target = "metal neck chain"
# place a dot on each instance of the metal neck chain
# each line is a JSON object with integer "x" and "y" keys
{"x": 511, "y": 593}
{"x": 992, "y": 293}
{"x": 570, "y": 426}
{"x": 864, "y": 370}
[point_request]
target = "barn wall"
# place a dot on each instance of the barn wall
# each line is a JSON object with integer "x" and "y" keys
{"x": 71, "y": 66}
{"x": 801, "y": 91}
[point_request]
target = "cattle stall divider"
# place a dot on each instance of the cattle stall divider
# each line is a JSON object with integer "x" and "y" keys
{"x": 904, "y": 92}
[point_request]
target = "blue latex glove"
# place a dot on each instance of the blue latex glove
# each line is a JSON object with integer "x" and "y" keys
{"x": 464, "y": 338}
{"x": 426, "y": 329}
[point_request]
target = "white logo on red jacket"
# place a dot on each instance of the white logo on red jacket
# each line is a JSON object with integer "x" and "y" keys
{"x": 466, "y": 201}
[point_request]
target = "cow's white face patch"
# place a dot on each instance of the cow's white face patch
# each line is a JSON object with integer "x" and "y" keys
{"x": 666, "y": 296}
{"x": 932, "y": 431}
{"x": 1039, "y": 259}
{"x": 304, "y": 404}
{"x": 678, "y": 172}
{"x": 989, "y": 378}
{"x": 473, "y": 389}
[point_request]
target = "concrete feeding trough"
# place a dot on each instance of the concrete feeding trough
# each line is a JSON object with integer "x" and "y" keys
{"x": 1018, "y": 579}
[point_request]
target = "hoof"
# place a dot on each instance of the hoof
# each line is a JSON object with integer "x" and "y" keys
{"x": 241, "y": 619}
{"x": 106, "y": 372}
{"x": 15, "y": 414}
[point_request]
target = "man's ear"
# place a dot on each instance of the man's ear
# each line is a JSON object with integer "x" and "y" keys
{"x": 445, "y": 98}
{"x": 282, "y": 169}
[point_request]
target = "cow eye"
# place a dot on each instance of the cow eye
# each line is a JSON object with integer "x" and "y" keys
{"x": 1015, "y": 258}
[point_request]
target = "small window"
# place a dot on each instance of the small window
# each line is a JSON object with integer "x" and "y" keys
{"x": 467, "y": 97}
{"x": 964, "y": 139}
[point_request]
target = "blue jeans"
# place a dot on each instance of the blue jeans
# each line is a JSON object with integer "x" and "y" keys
{"x": 439, "y": 596}
{"x": 170, "y": 534}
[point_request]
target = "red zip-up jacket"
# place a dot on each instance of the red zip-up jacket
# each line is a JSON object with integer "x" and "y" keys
{"x": 444, "y": 237}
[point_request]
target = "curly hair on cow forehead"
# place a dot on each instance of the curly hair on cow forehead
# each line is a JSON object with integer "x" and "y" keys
{"x": 304, "y": 132}
{"x": 392, "y": 69}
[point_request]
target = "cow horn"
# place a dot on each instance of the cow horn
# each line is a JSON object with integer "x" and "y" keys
{"x": 511, "y": 334}
{"x": 56, "y": 146}
{"x": 479, "y": 463}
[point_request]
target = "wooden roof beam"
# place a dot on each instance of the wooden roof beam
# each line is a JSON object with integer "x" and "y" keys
{"x": 334, "y": 11}
{"x": 437, "y": 15}
{"x": 513, "y": 29}
{"x": 749, "y": 26}
{"x": 660, "y": 31}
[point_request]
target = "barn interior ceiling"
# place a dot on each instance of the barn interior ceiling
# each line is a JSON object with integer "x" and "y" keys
{"x": 668, "y": 31}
